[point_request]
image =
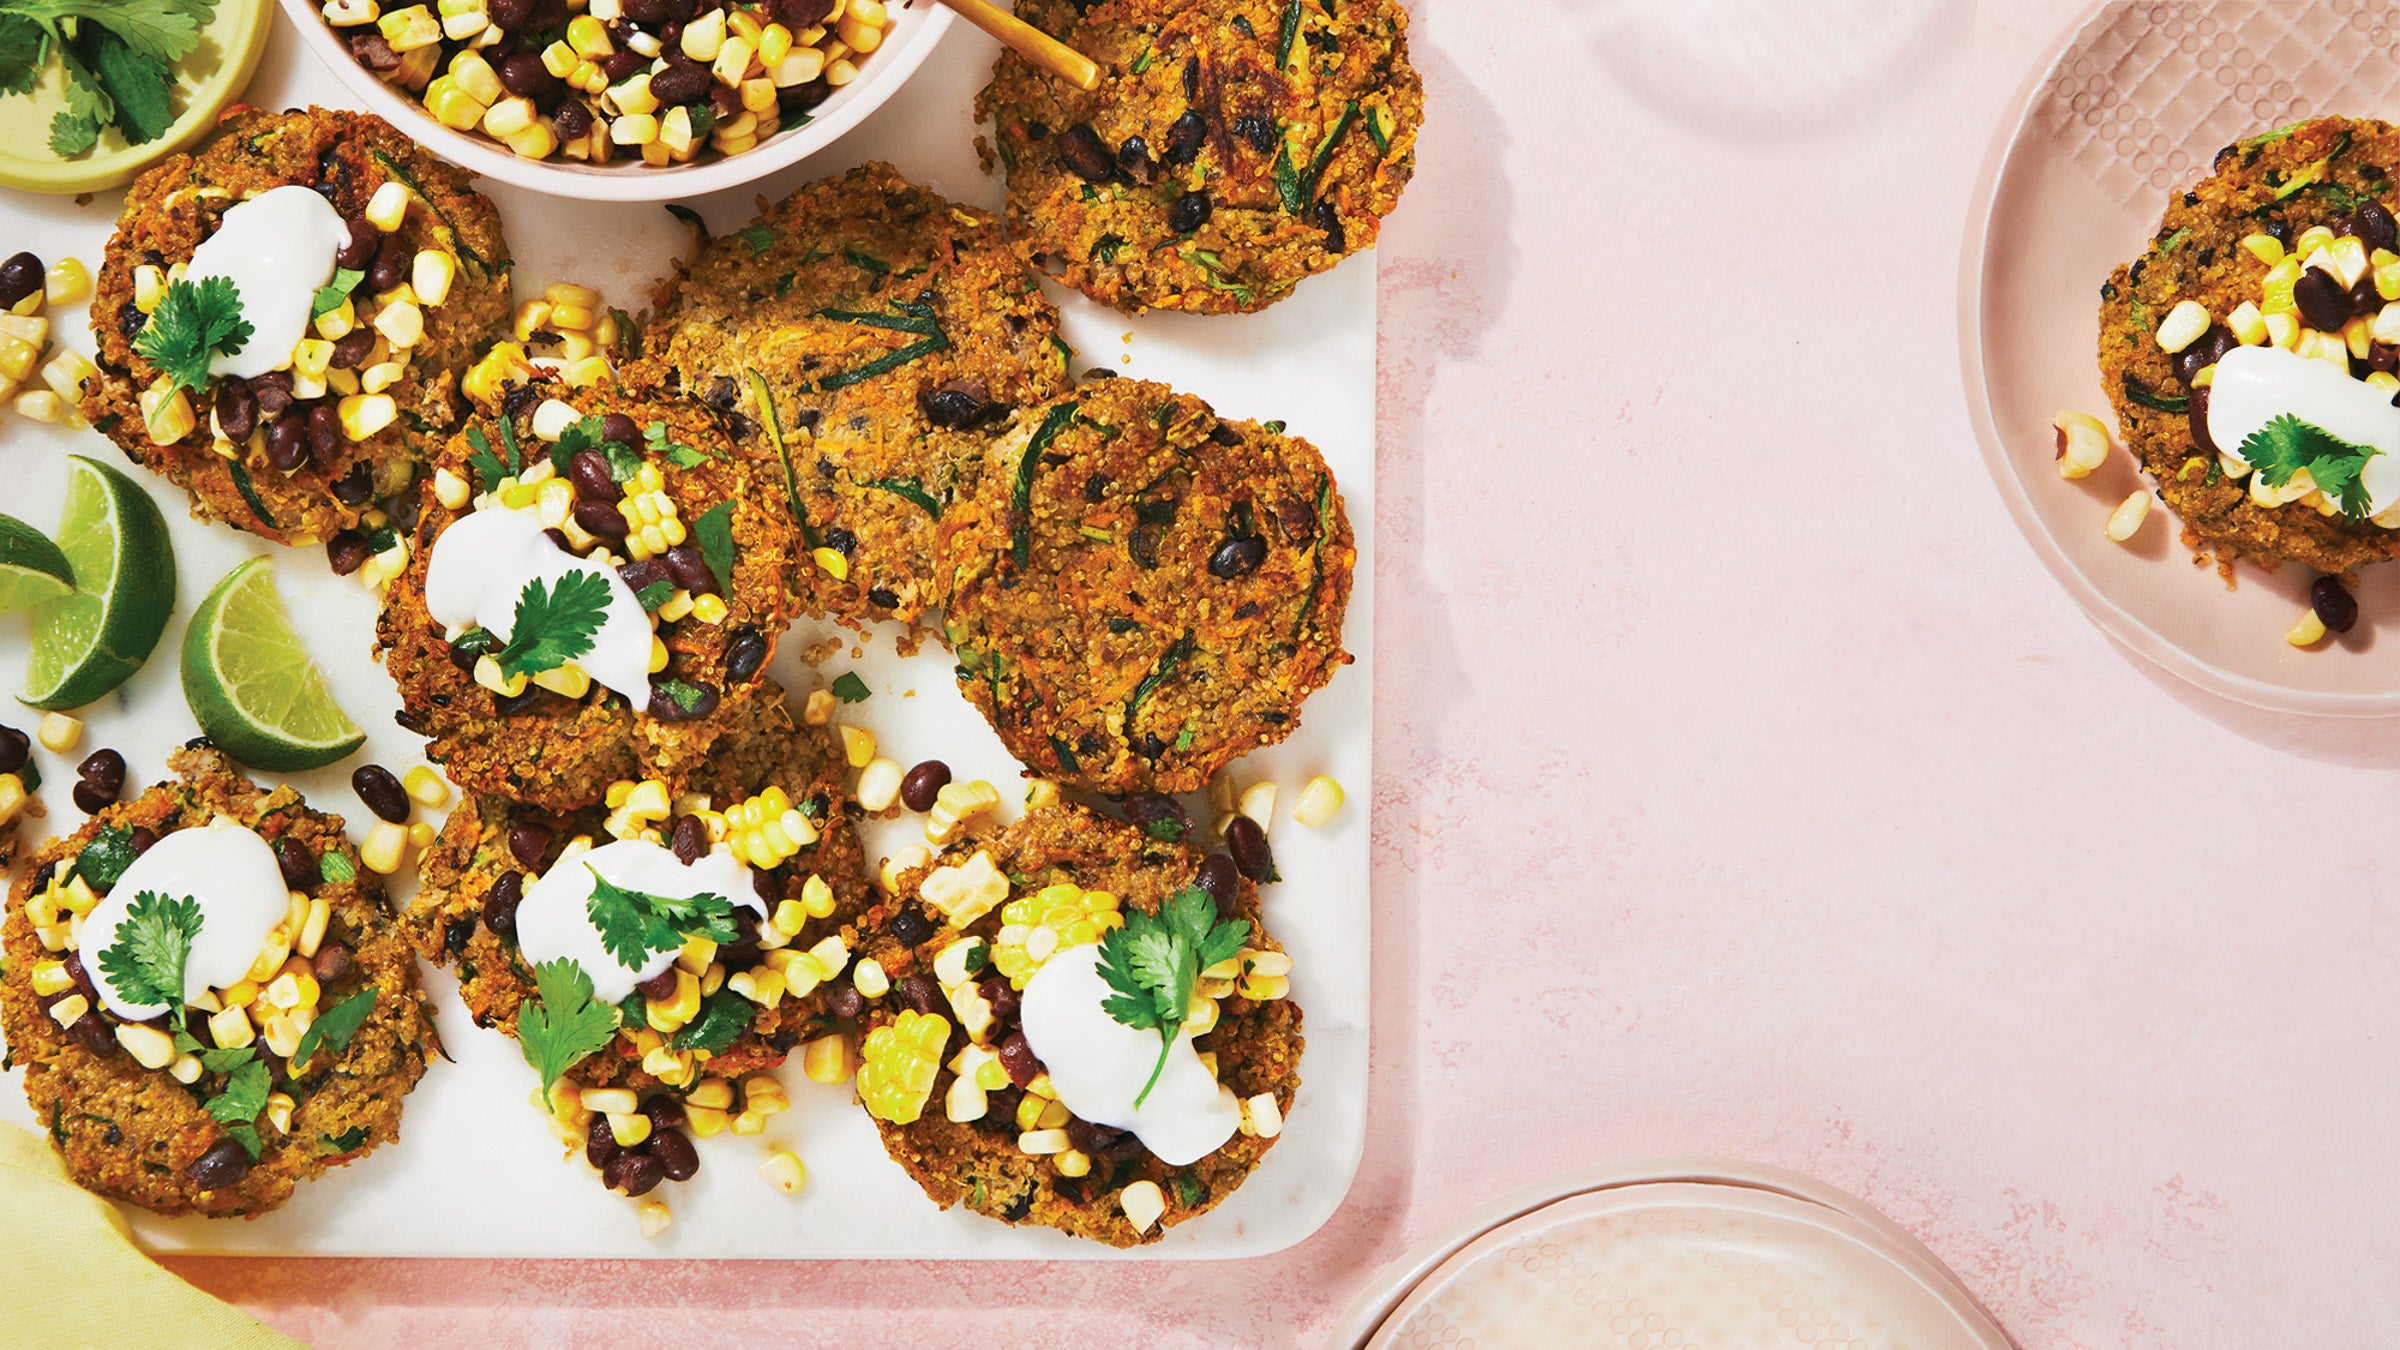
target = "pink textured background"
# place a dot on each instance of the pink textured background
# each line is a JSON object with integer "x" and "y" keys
{"x": 1745, "y": 786}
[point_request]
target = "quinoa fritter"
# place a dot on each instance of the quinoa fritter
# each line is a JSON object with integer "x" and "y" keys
{"x": 894, "y": 328}
{"x": 541, "y": 747}
{"x": 978, "y": 1163}
{"x": 455, "y": 919}
{"x": 130, "y": 1133}
{"x": 2334, "y": 172}
{"x": 345, "y": 156}
{"x": 1146, "y": 592}
{"x": 1232, "y": 148}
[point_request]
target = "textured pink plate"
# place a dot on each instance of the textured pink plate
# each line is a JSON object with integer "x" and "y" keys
{"x": 2134, "y": 101}
{"x": 1671, "y": 1252}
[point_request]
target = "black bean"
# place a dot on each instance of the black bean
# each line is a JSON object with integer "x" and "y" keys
{"x": 96, "y": 1034}
{"x": 1222, "y": 880}
{"x": 2364, "y": 298}
{"x": 1191, "y": 79}
{"x": 1133, "y": 160}
{"x": 689, "y": 840}
{"x": 352, "y": 488}
{"x": 745, "y": 652}
{"x": 2195, "y": 418}
{"x": 801, "y": 15}
{"x": 298, "y": 865}
{"x": 2374, "y": 226}
{"x": 74, "y": 964}
{"x": 287, "y": 442}
{"x": 841, "y": 540}
{"x": 681, "y": 82}
{"x": 1189, "y": 212}
{"x": 142, "y": 840}
{"x": 1185, "y": 138}
{"x": 642, "y": 573}
{"x": 655, "y": 12}
{"x": 588, "y": 470}
{"x": 677, "y": 1159}
{"x": 15, "y": 748}
{"x": 621, "y": 429}
{"x": 1155, "y": 808}
{"x": 572, "y": 120}
{"x": 1237, "y": 557}
{"x": 2334, "y": 604}
{"x": 727, "y": 102}
{"x": 506, "y": 705}
{"x": 924, "y": 784}
{"x": 89, "y": 799}
{"x": 665, "y": 1110}
{"x": 529, "y": 844}
{"x": 351, "y": 349}
{"x": 600, "y": 1146}
{"x": 845, "y": 1000}
{"x": 237, "y": 409}
{"x": 689, "y": 566}
{"x": 1325, "y": 218}
{"x": 525, "y": 76}
{"x": 803, "y": 96}
{"x": 220, "y": 1168}
{"x": 374, "y": 51}
{"x": 660, "y": 986}
{"x": 2204, "y": 353}
{"x": 273, "y": 391}
{"x": 704, "y": 698}
{"x": 500, "y": 904}
{"x": 918, "y": 991}
{"x": 508, "y": 14}
{"x": 1126, "y": 1147}
{"x": 603, "y": 519}
{"x": 346, "y": 552}
{"x": 2322, "y": 300}
{"x": 103, "y": 775}
{"x": 358, "y": 249}
{"x": 392, "y": 261}
{"x": 2383, "y": 356}
{"x": 622, "y": 66}
{"x": 1017, "y": 1057}
{"x": 324, "y": 431}
{"x": 1006, "y": 1002}
{"x": 1248, "y": 844}
{"x": 20, "y": 276}
{"x": 1256, "y": 132}
{"x": 910, "y": 927}
{"x": 955, "y": 405}
{"x": 332, "y": 962}
{"x": 382, "y": 792}
{"x": 1085, "y": 155}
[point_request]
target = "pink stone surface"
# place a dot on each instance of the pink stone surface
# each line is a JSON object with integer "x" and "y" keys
{"x": 1744, "y": 785}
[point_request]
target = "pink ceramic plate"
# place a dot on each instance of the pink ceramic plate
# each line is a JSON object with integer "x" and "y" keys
{"x": 2134, "y": 101}
{"x": 1669, "y": 1251}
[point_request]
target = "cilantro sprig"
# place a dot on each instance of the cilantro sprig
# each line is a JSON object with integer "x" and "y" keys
{"x": 2287, "y": 445}
{"x": 635, "y": 924}
{"x": 554, "y": 626}
{"x": 561, "y": 1026}
{"x": 119, "y": 57}
{"x": 192, "y": 324}
{"x": 335, "y": 1026}
{"x": 1154, "y": 961}
{"x": 145, "y": 963}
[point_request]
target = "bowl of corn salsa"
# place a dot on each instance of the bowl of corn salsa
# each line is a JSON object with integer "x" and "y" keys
{"x": 622, "y": 100}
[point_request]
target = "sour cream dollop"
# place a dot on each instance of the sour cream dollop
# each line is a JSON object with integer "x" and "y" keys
{"x": 2255, "y": 385}
{"x": 230, "y": 873}
{"x": 277, "y": 249}
{"x": 1098, "y": 1065}
{"x": 555, "y": 918}
{"x": 480, "y": 567}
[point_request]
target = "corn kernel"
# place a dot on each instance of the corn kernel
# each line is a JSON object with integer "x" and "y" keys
{"x": 828, "y": 1060}
{"x": 655, "y": 1217}
{"x": 784, "y": 1171}
{"x": 149, "y": 287}
{"x": 381, "y": 853}
{"x": 879, "y": 784}
{"x": 832, "y": 563}
{"x": 59, "y": 732}
{"x": 166, "y": 414}
{"x": 708, "y": 609}
{"x": 362, "y": 415}
{"x": 1322, "y": 796}
{"x": 2309, "y": 631}
{"x": 817, "y": 901}
{"x": 2183, "y": 326}
{"x": 589, "y": 37}
{"x": 955, "y": 805}
{"x": 66, "y": 282}
{"x": 410, "y": 28}
{"x": 50, "y": 977}
{"x": 966, "y": 892}
{"x": 66, "y": 373}
{"x": 869, "y": 979}
{"x": 43, "y": 406}
{"x": 185, "y": 1069}
{"x": 774, "y": 44}
{"x": 150, "y": 1047}
{"x": 230, "y": 1029}
{"x": 841, "y": 72}
{"x": 2128, "y": 516}
{"x": 2082, "y": 447}
{"x": 1144, "y": 1204}
{"x": 1042, "y": 1143}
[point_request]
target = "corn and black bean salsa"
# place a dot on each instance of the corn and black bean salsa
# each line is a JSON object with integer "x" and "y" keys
{"x": 875, "y": 335}
{"x": 657, "y": 82}
{"x": 964, "y": 1104}
{"x": 694, "y": 526}
{"x": 222, "y": 1107}
{"x": 1232, "y": 148}
{"x": 303, "y": 451}
{"x": 2289, "y": 244}
{"x": 694, "y": 1046}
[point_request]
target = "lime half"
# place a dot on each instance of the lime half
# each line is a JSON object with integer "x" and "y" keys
{"x": 251, "y": 685}
{"x": 90, "y": 641}
{"x": 31, "y": 567}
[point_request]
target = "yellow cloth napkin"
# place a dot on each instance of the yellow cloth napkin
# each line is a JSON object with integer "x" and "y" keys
{"x": 74, "y": 1278}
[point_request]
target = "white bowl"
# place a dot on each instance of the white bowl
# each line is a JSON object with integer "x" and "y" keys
{"x": 916, "y": 26}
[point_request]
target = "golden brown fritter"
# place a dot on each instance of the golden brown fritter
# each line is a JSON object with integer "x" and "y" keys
{"x": 346, "y": 156}
{"x": 894, "y": 329}
{"x": 132, "y": 1133}
{"x": 978, "y": 1163}
{"x": 1146, "y": 592}
{"x": 1232, "y": 148}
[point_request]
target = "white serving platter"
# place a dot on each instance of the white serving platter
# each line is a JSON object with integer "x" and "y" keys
{"x": 476, "y": 1172}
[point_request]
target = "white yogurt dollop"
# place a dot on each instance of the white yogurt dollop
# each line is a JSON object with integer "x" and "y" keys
{"x": 2255, "y": 385}
{"x": 480, "y": 567}
{"x": 230, "y": 873}
{"x": 1098, "y": 1065}
{"x": 277, "y": 249}
{"x": 554, "y": 920}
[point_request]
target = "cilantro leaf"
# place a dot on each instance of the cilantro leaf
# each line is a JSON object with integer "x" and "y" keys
{"x": 105, "y": 858}
{"x": 336, "y": 1025}
{"x": 226, "y": 1060}
{"x": 331, "y": 295}
{"x": 1154, "y": 960}
{"x": 714, "y": 532}
{"x": 850, "y": 689}
{"x": 145, "y": 963}
{"x": 142, "y": 86}
{"x": 724, "y": 1016}
{"x": 758, "y": 237}
{"x": 485, "y": 465}
{"x": 561, "y": 1026}
{"x": 681, "y": 456}
{"x": 245, "y": 1094}
{"x": 163, "y": 30}
{"x": 554, "y": 627}
{"x": 2287, "y": 446}
{"x": 246, "y": 1134}
{"x": 24, "y": 52}
{"x": 635, "y": 924}
{"x": 191, "y": 325}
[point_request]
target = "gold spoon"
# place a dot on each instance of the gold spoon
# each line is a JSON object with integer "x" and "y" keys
{"x": 1030, "y": 42}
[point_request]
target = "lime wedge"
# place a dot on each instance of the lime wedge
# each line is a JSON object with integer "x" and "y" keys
{"x": 91, "y": 640}
{"x": 251, "y": 685}
{"x": 31, "y": 567}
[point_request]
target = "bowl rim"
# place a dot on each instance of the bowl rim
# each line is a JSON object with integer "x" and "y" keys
{"x": 877, "y": 82}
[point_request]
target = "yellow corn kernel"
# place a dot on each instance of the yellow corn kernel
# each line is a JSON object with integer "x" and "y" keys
{"x": 381, "y": 853}
{"x": 66, "y": 282}
{"x": 828, "y": 1060}
{"x": 166, "y": 413}
{"x": 965, "y": 892}
{"x": 2309, "y": 631}
{"x": 230, "y": 1029}
{"x": 66, "y": 373}
{"x": 41, "y": 406}
{"x": 452, "y": 106}
{"x": 2128, "y": 516}
{"x": 59, "y": 732}
{"x": 362, "y": 415}
{"x": 634, "y": 129}
{"x": 704, "y": 36}
{"x": 800, "y": 66}
{"x": 629, "y": 1128}
{"x": 708, "y": 609}
{"x": 869, "y": 979}
{"x": 50, "y": 977}
{"x": 955, "y": 805}
{"x": 410, "y": 28}
{"x": 1144, "y": 1204}
{"x": 1042, "y": 1143}
{"x": 1322, "y": 796}
{"x": 149, "y": 287}
{"x": 589, "y": 37}
{"x": 774, "y": 43}
{"x": 70, "y": 1010}
{"x": 425, "y": 787}
{"x": 784, "y": 1171}
{"x": 150, "y": 1047}
{"x": 2082, "y": 446}
{"x": 841, "y": 72}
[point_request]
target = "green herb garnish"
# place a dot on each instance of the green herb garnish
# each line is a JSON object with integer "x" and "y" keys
{"x": 487, "y": 467}
{"x": 335, "y": 1026}
{"x": 144, "y": 965}
{"x": 713, "y": 531}
{"x": 1021, "y": 494}
{"x": 119, "y": 60}
{"x": 681, "y": 456}
{"x": 908, "y": 490}
{"x": 723, "y": 1016}
{"x": 105, "y": 858}
{"x": 336, "y": 869}
{"x": 250, "y": 497}
{"x": 1155, "y": 959}
{"x": 191, "y": 325}
{"x": 331, "y": 295}
{"x": 849, "y": 688}
{"x": 758, "y": 237}
{"x": 554, "y": 627}
{"x": 907, "y": 316}
{"x": 633, "y": 925}
{"x": 561, "y": 1026}
{"x": 2288, "y": 446}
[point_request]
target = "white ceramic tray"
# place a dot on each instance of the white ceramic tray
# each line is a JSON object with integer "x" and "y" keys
{"x": 476, "y": 1171}
{"x": 2133, "y": 100}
